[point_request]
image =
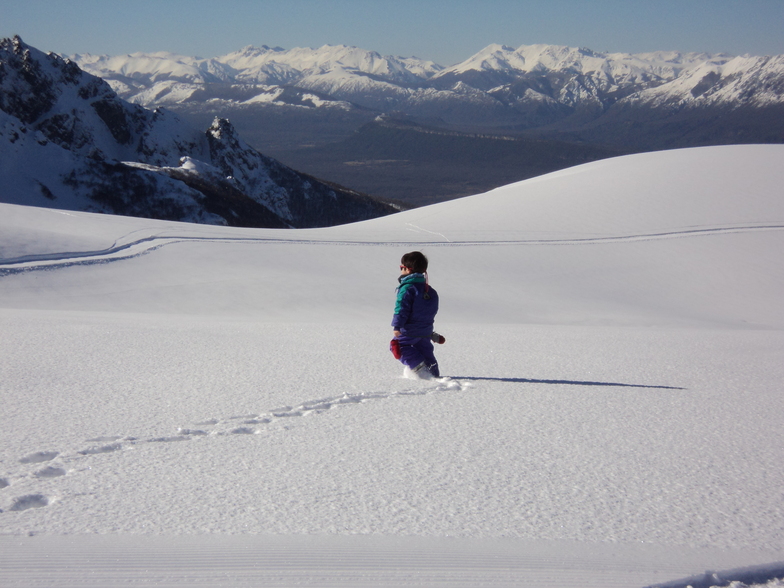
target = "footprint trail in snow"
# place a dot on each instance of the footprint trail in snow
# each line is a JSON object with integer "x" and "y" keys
{"x": 255, "y": 423}
{"x": 49, "y": 465}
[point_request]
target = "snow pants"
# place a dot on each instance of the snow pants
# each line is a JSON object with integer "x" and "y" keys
{"x": 415, "y": 350}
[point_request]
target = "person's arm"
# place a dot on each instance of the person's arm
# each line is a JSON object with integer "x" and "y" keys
{"x": 405, "y": 299}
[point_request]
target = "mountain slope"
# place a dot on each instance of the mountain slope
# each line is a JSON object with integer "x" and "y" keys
{"x": 106, "y": 155}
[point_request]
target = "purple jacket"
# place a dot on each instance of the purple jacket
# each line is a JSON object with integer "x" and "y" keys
{"x": 416, "y": 307}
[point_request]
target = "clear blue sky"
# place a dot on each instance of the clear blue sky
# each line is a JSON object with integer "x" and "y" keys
{"x": 443, "y": 31}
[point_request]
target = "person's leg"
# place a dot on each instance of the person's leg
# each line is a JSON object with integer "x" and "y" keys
{"x": 410, "y": 353}
{"x": 425, "y": 348}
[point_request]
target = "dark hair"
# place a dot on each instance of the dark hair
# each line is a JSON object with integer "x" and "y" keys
{"x": 415, "y": 261}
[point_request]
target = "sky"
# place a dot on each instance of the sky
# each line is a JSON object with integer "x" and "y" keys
{"x": 444, "y": 31}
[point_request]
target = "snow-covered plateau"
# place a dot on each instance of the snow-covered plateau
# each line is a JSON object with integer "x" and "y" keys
{"x": 190, "y": 405}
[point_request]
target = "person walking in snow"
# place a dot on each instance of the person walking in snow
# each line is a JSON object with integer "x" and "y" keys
{"x": 416, "y": 306}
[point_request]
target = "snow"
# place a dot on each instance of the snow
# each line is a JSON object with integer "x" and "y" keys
{"x": 266, "y": 97}
{"x": 154, "y": 65}
{"x": 311, "y": 61}
{"x": 198, "y": 405}
{"x": 662, "y": 78}
{"x": 165, "y": 78}
{"x": 542, "y": 58}
{"x": 745, "y": 80}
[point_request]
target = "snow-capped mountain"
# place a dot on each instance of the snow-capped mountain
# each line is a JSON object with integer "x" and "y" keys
{"x": 580, "y": 76}
{"x": 286, "y": 102}
{"x": 507, "y": 77}
{"x": 255, "y": 73}
{"x": 740, "y": 81}
{"x": 630, "y": 102}
{"x": 68, "y": 141}
{"x": 612, "y": 69}
{"x": 277, "y": 66}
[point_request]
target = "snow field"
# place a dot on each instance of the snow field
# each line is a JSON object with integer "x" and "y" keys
{"x": 215, "y": 402}
{"x": 306, "y": 467}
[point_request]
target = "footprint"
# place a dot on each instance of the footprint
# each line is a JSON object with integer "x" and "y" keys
{"x": 194, "y": 432}
{"x": 104, "y": 439}
{"x": 29, "y": 501}
{"x": 39, "y": 457}
{"x": 101, "y": 449}
{"x": 50, "y": 472}
{"x": 169, "y": 439}
{"x": 290, "y": 413}
{"x": 318, "y": 406}
{"x": 357, "y": 399}
{"x": 4, "y": 483}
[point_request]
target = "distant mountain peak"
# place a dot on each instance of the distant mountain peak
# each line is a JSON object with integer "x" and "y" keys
{"x": 254, "y": 51}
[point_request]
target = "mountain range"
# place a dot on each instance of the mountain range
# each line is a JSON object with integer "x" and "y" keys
{"x": 304, "y": 106}
{"x": 119, "y": 133}
{"x": 68, "y": 141}
{"x": 530, "y": 85}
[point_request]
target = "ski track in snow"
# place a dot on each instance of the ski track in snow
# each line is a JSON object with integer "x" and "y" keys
{"x": 147, "y": 245}
{"x": 251, "y": 424}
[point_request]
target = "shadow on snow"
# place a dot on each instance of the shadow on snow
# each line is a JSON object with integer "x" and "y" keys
{"x": 751, "y": 575}
{"x": 563, "y": 382}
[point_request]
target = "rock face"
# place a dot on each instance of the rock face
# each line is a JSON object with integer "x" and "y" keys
{"x": 299, "y": 199}
{"x": 67, "y": 140}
